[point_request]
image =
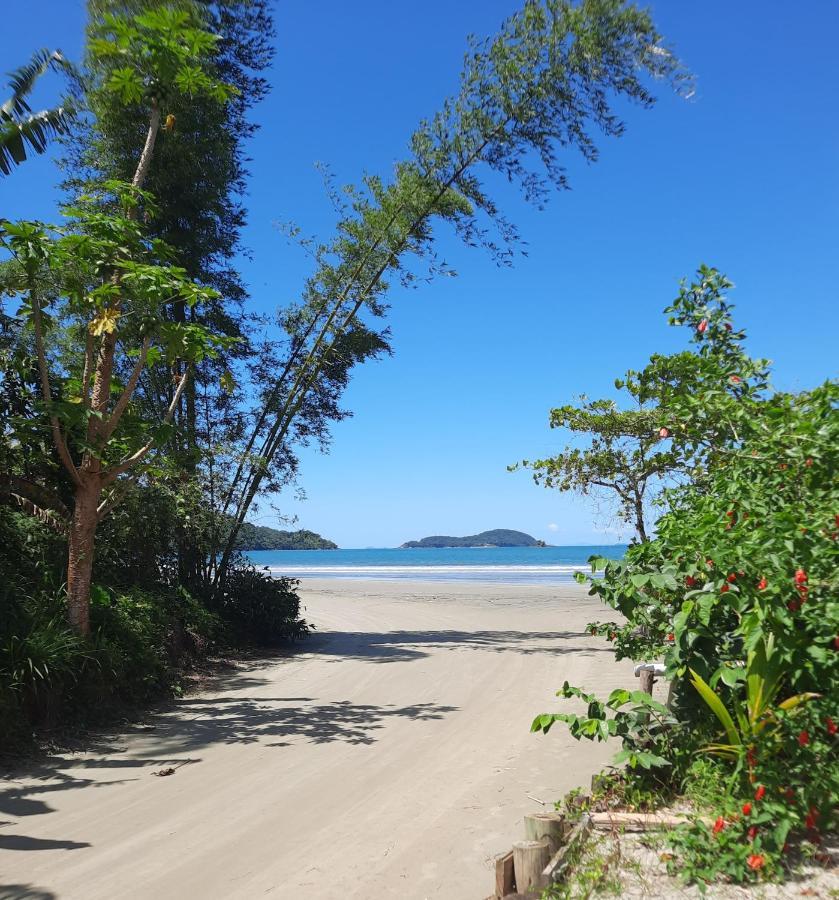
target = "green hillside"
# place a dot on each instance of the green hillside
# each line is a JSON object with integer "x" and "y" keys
{"x": 498, "y": 537}
{"x": 261, "y": 537}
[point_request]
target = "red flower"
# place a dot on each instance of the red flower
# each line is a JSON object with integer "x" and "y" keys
{"x": 702, "y": 326}
{"x": 730, "y": 514}
{"x": 755, "y": 862}
{"x": 724, "y": 589}
{"x": 752, "y": 832}
{"x": 760, "y": 793}
{"x": 690, "y": 581}
{"x": 808, "y": 462}
{"x": 663, "y": 433}
{"x": 672, "y": 637}
{"x": 735, "y": 379}
{"x": 804, "y": 738}
{"x": 831, "y": 725}
{"x": 747, "y": 808}
{"x": 800, "y": 576}
{"x": 732, "y": 578}
{"x": 761, "y": 585}
{"x": 719, "y": 825}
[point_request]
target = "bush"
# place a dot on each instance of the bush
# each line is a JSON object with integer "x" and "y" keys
{"x": 50, "y": 677}
{"x": 739, "y": 594}
{"x": 262, "y": 609}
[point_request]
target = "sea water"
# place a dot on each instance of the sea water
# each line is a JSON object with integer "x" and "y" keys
{"x": 506, "y": 565}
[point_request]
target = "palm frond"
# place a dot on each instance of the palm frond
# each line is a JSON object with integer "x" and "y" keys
{"x": 22, "y": 81}
{"x": 20, "y": 128}
{"x": 33, "y": 132}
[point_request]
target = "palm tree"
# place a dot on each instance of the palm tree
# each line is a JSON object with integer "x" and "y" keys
{"x": 20, "y": 128}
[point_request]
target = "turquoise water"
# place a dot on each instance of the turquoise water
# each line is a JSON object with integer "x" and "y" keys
{"x": 505, "y": 565}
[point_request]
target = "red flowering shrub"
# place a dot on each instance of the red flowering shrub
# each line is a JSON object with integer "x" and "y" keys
{"x": 746, "y": 551}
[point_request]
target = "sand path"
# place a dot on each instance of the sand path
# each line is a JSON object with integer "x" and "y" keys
{"x": 389, "y": 758}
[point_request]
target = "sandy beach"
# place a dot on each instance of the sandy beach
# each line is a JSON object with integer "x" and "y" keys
{"x": 389, "y": 757}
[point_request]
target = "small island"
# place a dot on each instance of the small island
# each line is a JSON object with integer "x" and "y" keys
{"x": 498, "y": 537}
{"x": 261, "y": 537}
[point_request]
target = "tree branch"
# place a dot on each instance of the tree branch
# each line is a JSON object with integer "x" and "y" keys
{"x": 88, "y": 368}
{"x": 39, "y": 497}
{"x": 57, "y": 437}
{"x": 108, "y": 427}
{"x": 112, "y": 474}
{"x": 116, "y": 496}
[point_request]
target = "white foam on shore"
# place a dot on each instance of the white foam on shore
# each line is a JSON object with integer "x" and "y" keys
{"x": 434, "y": 573}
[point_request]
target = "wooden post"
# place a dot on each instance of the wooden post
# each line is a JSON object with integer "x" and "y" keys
{"x": 548, "y": 827}
{"x": 647, "y": 681}
{"x": 505, "y": 882}
{"x": 529, "y": 859}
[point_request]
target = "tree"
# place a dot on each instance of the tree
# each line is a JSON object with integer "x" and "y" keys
{"x": 20, "y": 128}
{"x": 543, "y": 84}
{"x": 100, "y": 286}
{"x": 201, "y": 219}
{"x": 621, "y": 459}
{"x": 635, "y": 453}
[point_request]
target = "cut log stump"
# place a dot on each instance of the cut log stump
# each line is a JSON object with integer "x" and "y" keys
{"x": 529, "y": 860}
{"x": 548, "y": 827}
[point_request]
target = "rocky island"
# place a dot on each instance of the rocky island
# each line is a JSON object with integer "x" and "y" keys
{"x": 498, "y": 537}
{"x": 261, "y": 537}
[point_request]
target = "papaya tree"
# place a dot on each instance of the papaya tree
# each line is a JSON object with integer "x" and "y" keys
{"x": 94, "y": 295}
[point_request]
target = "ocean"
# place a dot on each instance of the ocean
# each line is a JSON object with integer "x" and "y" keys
{"x": 498, "y": 565}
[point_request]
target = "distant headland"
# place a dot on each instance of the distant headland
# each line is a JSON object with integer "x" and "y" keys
{"x": 498, "y": 537}
{"x": 261, "y": 537}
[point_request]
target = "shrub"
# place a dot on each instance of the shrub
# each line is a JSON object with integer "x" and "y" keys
{"x": 263, "y": 609}
{"x": 744, "y": 568}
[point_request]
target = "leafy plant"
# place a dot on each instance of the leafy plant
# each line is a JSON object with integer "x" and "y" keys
{"x": 21, "y": 129}
{"x": 644, "y": 724}
{"x": 763, "y": 677}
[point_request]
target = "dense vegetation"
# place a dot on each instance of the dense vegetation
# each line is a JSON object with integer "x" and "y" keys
{"x": 738, "y": 593}
{"x": 497, "y": 537}
{"x": 261, "y": 537}
{"x": 145, "y": 410}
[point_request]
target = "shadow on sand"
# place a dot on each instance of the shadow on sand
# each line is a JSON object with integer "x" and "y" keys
{"x": 24, "y": 892}
{"x": 237, "y": 714}
{"x": 405, "y": 646}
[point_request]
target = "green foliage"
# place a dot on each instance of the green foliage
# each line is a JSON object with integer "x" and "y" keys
{"x": 261, "y": 537}
{"x": 497, "y": 537}
{"x": 263, "y": 609}
{"x": 156, "y": 55}
{"x": 644, "y": 725}
{"x": 624, "y": 456}
{"x": 21, "y": 129}
{"x": 738, "y": 590}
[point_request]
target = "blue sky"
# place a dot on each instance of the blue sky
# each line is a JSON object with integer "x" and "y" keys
{"x": 743, "y": 177}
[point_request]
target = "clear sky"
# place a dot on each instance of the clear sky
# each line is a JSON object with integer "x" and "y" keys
{"x": 743, "y": 177}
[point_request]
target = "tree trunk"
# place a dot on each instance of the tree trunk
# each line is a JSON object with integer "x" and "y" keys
{"x": 639, "y": 519}
{"x": 80, "y": 553}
